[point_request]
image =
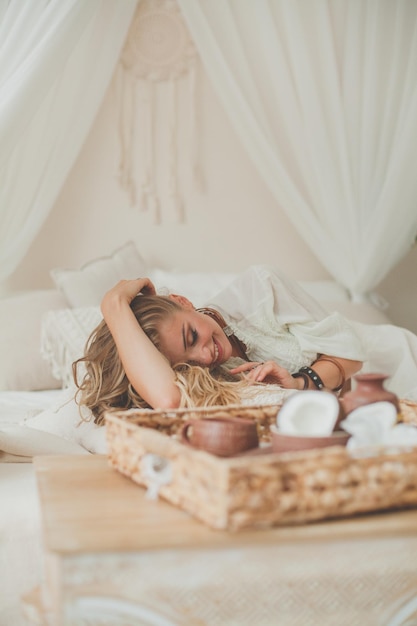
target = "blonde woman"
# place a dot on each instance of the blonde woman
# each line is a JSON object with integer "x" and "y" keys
{"x": 137, "y": 356}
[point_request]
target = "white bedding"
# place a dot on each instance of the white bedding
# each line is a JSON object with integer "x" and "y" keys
{"x": 49, "y": 422}
{"x": 16, "y": 405}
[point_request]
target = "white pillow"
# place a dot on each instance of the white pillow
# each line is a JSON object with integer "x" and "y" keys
{"x": 86, "y": 286}
{"x": 198, "y": 287}
{"x": 21, "y": 365}
{"x": 322, "y": 290}
{"x": 64, "y": 335}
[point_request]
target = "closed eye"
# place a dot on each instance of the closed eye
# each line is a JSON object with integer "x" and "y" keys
{"x": 194, "y": 337}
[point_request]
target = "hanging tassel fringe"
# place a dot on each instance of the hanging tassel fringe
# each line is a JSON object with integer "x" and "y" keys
{"x": 126, "y": 130}
{"x": 174, "y": 195}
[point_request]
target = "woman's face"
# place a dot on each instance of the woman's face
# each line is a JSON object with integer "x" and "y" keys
{"x": 192, "y": 337}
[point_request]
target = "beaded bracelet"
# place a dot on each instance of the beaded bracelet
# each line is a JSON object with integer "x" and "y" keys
{"x": 317, "y": 381}
{"x": 303, "y": 376}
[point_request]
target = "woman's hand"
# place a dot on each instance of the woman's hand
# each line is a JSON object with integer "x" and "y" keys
{"x": 268, "y": 372}
{"x": 126, "y": 290}
{"x": 333, "y": 371}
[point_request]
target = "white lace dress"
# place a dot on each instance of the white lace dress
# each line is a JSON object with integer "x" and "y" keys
{"x": 278, "y": 320}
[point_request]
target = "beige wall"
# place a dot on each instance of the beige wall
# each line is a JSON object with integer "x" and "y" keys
{"x": 233, "y": 223}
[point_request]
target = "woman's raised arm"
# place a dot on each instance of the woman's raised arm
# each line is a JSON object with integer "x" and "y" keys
{"x": 147, "y": 369}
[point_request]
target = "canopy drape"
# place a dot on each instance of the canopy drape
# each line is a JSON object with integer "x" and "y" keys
{"x": 56, "y": 61}
{"x": 323, "y": 95}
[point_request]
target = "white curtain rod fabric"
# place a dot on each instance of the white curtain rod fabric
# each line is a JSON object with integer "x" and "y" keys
{"x": 56, "y": 61}
{"x": 323, "y": 95}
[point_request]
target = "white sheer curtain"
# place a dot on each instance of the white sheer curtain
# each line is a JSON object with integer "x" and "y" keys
{"x": 56, "y": 61}
{"x": 323, "y": 94}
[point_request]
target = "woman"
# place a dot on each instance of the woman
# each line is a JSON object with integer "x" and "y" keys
{"x": 262, "y": 326}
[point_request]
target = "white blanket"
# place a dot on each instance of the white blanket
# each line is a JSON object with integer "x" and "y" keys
{"x": 36, "y": 423}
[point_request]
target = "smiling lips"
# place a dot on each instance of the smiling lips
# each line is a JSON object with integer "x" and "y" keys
{"x": 218, "y": 353}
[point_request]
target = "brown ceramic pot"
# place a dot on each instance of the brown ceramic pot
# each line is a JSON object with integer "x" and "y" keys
{"x": 221, "y": 436}
{"x": 370, "y": 388}
{"x": 293, "y": 443}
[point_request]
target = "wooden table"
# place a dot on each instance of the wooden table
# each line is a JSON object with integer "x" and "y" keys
{"x": 112, "y": 556}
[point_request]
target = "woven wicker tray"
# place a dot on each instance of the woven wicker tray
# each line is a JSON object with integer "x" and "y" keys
{"x": 257, "y": 491}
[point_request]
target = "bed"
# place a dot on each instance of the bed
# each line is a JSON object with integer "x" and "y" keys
{"x": 41, "y": 333}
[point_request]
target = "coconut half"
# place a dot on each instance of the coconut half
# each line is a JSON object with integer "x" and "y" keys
{"x": 309, "y": 413}
{"x": 371, "y": 424}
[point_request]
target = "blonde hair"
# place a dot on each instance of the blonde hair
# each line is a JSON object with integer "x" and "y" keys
{"x": 105, "y": 386}
{"x": 200, "y": 386}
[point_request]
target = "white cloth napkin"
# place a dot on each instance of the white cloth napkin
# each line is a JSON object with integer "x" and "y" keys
{"x": 376, "y": 425}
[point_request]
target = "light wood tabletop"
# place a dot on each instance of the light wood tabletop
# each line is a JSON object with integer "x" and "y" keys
{"x": 90, "y": 507}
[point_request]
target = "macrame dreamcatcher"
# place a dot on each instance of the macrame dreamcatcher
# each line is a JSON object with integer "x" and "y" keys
{"x": 157, "y": 55}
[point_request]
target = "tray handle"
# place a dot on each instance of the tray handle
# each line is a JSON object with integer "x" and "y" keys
{"x": 157, "y": 472}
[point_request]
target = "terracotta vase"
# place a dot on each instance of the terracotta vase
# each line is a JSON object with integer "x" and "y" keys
{"x": 370, "y": 388}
